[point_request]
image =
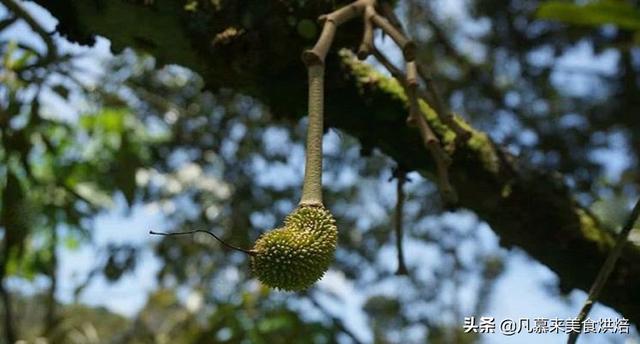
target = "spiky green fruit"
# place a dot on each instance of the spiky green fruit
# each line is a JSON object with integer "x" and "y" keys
{"x": 298, "y": 254}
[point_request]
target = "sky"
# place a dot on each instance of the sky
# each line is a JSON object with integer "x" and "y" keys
{"x": 523, "y": 291}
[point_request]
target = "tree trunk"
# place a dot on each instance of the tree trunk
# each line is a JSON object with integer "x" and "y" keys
{"x": 9, "y": 330}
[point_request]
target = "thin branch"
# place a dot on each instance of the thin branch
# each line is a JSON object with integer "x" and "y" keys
{"x": 337, "y": 322}
{"x": 401, "y": 176}
{"x": 389, "y": 66}
{"x": 21, "y": 46}
{"x": 431, "y": 142}
{"x": 249, "y": 252}
{"x": 449, "y": 48}
{"x": 387, "y": 12}
{"x": 407, "y": 46}
{"x": 432, "y": 95}
{"x": 331, "y": 21}
{"x": 367, "y": 38}
{"x": 5, "y": 23}
{"x": 438, "y": 105}
{"x": 417, "y": 118}
{"x": 412, "y": 87}
{"x": 17, "y": 9}
{"x": 607, "y": 268}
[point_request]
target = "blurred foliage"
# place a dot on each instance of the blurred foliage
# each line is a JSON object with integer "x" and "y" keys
{"x": 619, "y": 13}
{"x": 165, "y": 319}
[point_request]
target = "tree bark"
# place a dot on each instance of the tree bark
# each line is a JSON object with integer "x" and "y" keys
{"x": 51, "y": 319}
{"x": 8, "y": 318}
{"x": 254, "y": 47}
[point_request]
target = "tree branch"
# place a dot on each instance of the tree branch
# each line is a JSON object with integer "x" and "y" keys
{"x": 52, "y": 51}
{"x": 401, "y": 177}
{"x": 337, "y": 322}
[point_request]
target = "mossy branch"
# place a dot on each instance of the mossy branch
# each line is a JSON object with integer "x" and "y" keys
{"x": 416, "y": 118}
{"x": 432, "y": 95}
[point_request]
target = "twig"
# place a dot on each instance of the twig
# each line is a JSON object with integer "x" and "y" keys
{"x": 17, "y": 9}
{"x": 395, "y": 72}
{"x": 607, "y": 268}
{"x": 431, "y": 142}
{"x": 439, "y": 107}
{"x": 367, "y": 38}
{"x": 401, "y": 176}
{"x": 7, "y": 22}
{"x": 406, "y": 45}
{"x": 417, "y": 118}
{"x": 432, "y": 95}
{"x": 249, "y": 252}
{"x": 337, "y": 322}
{"x": 331, "y": 21}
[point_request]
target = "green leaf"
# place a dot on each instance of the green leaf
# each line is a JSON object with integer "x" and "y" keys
{"x": 619, "y": 13}
{"x": 128, "y": 163}
{"x": 110, "y": 120}
{"x": 22, "y": 61}
{"x": 71, "y": 243}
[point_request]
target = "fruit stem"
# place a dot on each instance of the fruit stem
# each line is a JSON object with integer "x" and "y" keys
{"x": 312, "y": 187}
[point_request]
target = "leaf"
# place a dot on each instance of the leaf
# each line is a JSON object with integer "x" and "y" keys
{"x": 108, "y": 120}
{"x": 71, "y": 243}
{"x": 597, "y": 13}
{"x": 122, "y": 259}
{"x": 22, "y": 61}
{"x": 128, "y": 163}
{"x": 61, "y": 90}
{"x": 94, "y": 194}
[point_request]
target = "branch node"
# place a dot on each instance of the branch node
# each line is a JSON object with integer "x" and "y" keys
{"x": 407, "y": 46}
{"x": 367, "y": 38}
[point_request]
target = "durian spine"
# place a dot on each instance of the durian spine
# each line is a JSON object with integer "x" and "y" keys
{"x": 312, "y": 187}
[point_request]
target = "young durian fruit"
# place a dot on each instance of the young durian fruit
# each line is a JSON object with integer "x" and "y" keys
{"x": 298, "y": 254}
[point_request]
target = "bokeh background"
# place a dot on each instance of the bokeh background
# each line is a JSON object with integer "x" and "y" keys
{"x": 99, "y": 148}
